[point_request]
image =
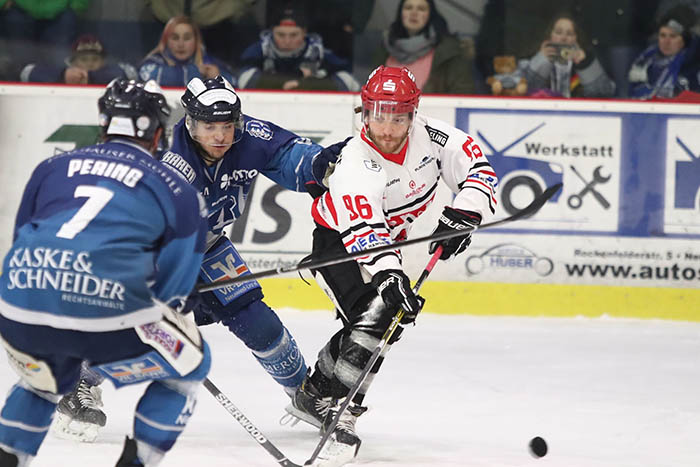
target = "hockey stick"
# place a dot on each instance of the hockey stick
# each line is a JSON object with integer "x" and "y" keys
{"x": 251, "y": 429}
{"x": 529, "y": 210}
{"x": 378, "y": 349}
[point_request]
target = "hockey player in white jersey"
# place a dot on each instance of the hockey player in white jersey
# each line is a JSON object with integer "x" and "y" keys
{"x": 383, "y": 181}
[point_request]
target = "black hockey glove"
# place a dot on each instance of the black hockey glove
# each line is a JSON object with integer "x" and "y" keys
{"x": 322, "y": 163}
{"x": 395, "y": 289}
{"x": 454, "y": 220}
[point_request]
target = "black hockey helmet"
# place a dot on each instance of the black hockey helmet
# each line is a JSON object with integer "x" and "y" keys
{"x": 132, "y": 108}
{"x": 213, "y": 100}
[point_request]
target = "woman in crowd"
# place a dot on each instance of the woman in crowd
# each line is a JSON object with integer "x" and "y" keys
{"x": 670, "y": 65}
{"x": 180, "y": 56}
{"x": 565, "y": 66}
{"x": 419, "y": 40}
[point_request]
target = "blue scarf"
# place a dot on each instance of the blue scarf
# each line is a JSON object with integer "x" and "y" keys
{"x": 662, "y": 74}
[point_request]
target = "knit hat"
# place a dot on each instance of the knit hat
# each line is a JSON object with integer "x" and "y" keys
{"x": 680, "y": 19}
{"x": 87, "y": 43}
{"x": 290, "y": 17}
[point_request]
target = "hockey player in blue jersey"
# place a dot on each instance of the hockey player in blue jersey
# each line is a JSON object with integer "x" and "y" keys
{"x": 220, "y": 151}
{"x": 106, "y": 238}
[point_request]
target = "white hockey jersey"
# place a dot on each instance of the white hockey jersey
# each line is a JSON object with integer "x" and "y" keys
{"x": 374, "y": 199}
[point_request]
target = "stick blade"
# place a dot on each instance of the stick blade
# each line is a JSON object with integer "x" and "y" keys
{"x": 531, "y": 209}
{"x": 537, "y": 203}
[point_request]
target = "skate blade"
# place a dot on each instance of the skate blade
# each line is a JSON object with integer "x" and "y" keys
{"x": 294, "y": 416}
{"x": 335, "y": 454}
{"x": 66, "y": 428}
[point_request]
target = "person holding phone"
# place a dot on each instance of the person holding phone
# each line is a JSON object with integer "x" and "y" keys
{"x": 563, "y": 66}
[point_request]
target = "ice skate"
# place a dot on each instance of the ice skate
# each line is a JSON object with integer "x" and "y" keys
{"x": 343, "y": 444}
{"x": 308, "y": 405}
{"x": 8, "y": 459}
{"x": 128, "y": 457}
{"x": 78, "y": 416}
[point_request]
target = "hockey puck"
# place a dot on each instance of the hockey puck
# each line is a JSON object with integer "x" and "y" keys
{"x": 538, "y": 447}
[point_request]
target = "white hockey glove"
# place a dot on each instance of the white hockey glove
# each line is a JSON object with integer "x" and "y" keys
{"x": 455, "y": 220}
{"x": 395, "y": 289}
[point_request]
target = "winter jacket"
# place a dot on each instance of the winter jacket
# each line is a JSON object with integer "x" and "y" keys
{"x": 653, "y": 75}
{"x": 587, "y": 79}
{"x": 46, "y": 73}
{"x": 263, "y": 66}
{"x": 48, "y": 9}
{"x": 450, "y": 73}
{"x": 203, "y": 12}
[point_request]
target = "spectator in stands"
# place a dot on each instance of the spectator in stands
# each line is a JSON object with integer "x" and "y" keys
{"x": 419, "y": 40}
{"x": 288, "y": 57}
{"x": 227, "y": 26}
{"x": 671, "y": 65}
{"x": 180, "y": 56}
{"x": 88, "y": 64}
{"x": 336, "y": 21}
{"x": 565, "y": 65}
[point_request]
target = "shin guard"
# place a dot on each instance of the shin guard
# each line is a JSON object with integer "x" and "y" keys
{"x": 283, "y": 361}
{"x": 25, "y": 419}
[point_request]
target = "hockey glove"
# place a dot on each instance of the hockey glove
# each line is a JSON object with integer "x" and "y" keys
{"x": 395, "y": 289}
{"x": 455, "y": 220}
{"x": 322, "y": 163}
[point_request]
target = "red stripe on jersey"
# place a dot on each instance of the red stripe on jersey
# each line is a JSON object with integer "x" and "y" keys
{"x": 397, "y": 158}
{"x": 331, "y": 207}
{"x": 486, "y": 172}
{"x": 317, "y": 215}
{"x": 473, "y": 180}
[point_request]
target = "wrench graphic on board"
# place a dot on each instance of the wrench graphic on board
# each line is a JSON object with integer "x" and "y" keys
{"x": 576, "y": 200}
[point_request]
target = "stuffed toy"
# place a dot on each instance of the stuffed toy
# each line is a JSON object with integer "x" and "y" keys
{"x": 507, "y": 80}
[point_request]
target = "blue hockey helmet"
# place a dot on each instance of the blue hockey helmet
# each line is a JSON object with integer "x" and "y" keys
{"x": 211, "y": 101}
{"x": 132, "y": 108}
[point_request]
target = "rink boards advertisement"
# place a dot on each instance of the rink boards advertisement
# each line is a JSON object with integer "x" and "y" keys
{"x": 622, "y": 237}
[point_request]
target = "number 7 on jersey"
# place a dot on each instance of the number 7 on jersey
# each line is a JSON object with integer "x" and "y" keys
{"x": 97, "y": 199}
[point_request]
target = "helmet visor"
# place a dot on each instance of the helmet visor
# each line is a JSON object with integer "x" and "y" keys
{"x": 397, "y": 114}
{"x": 382, "y": 108}
{"x": 215, "y": 134}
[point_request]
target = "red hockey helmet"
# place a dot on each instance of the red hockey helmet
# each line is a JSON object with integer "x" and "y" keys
{"x": 390, "y": 90}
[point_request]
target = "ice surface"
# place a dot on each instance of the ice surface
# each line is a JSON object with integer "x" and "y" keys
{"x": 455, "y": 391}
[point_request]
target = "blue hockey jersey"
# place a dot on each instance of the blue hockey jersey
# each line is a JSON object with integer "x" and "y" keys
{"x": 103, "y": 235}
{"x": 264, "y": 148}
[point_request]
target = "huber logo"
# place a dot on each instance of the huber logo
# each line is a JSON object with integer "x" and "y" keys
{"x": 511, "y": 257}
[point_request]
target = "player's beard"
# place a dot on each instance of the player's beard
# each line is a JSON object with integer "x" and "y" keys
{"x": 389, "y": 144}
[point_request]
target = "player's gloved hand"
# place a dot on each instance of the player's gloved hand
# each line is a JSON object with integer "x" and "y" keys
{"x": 395, "y": 289}
{"x": 454, "y": 220}
{"x": 322, "y": 163}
